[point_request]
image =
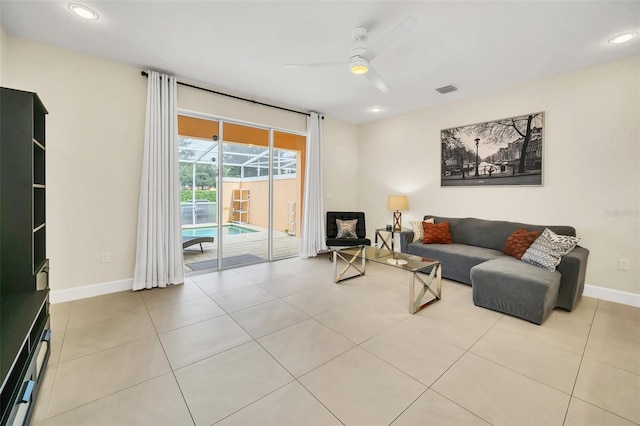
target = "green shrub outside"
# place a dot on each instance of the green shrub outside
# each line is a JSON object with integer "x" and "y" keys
{"x": 186, "y": 194}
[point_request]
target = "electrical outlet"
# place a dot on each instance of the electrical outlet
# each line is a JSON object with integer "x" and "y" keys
{"x": 623, "y": 264}
{"x": 106, "y": 257}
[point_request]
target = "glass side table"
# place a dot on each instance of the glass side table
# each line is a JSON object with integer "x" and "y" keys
{"x": 387, "y": 237}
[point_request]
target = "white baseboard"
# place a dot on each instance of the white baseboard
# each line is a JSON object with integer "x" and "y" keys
{"x": 82, "y": 292}
{"x": 612, "y": 295}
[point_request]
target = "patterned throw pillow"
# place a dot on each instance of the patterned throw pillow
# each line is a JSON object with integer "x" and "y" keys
{"x": 519, "y": 242}
{"x": 547, "y": 250}
{"x": 436, "y": 233}
{"x": 418, "y": 232}
{"x": 347, "y": 228}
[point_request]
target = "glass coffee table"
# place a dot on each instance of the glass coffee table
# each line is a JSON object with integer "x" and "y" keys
{"x": 425, "y": 272}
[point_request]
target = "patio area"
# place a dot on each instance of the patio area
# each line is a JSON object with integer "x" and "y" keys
{"x": 254, "y": 243}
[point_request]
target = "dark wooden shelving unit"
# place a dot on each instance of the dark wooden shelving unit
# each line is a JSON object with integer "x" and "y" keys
{"x": 24, "y": 268}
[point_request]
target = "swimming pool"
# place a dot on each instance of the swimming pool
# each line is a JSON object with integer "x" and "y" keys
{"x": 212, "y": 231}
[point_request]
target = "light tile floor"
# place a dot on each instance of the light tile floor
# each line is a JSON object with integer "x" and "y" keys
{"x": 281, "y": 344}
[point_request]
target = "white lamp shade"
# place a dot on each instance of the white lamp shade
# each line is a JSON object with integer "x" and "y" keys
{"x": 397, "y": 202}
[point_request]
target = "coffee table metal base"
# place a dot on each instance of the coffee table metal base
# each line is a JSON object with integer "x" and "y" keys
{"x": 415, "y": 302}
{"x": 350, "y": 262}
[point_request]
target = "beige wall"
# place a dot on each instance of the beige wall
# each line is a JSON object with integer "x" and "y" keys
{"x": 2, "y": 36}
{"x": 2, "y": 54}
{"x": 340, "y": 165}
{"x": 591, "y": 158}
{"x": 95, "y": 130}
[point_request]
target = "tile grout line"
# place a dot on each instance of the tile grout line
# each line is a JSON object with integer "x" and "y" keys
{"x": 114, "y": 392}
{"x": 512, "y": 369}
{"x": 66, "y": 324}
{"x": 464, "y": 408}
{"x": 584, "y": 350}
{"x": 427, "y": 387}
{"x": 466, "y": 351}
{"x": 359, "y": 345}
{"x": 295, "y": 379}
{"x": 173, "y": 373}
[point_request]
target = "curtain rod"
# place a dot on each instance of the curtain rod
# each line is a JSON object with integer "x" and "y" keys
{"x": 146, "y": 74}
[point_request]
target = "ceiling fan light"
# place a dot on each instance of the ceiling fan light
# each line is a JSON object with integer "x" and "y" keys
{"x": 358, "y": 65}
{"x": 359, "y": 69}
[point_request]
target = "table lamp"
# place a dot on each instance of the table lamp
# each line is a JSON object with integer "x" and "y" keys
{"x": 397, "y": 203}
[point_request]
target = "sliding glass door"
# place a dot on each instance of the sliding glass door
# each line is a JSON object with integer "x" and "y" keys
{"x": 288, "y": 185}
{"x": 245, "y": 191}
{"x": 198, "y": 153}
{"x": 241, "y": 191}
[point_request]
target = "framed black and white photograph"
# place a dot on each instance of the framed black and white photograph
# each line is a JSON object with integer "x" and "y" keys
{"x": 500, "y": 152}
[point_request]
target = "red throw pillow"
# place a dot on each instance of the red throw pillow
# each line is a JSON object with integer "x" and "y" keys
{"x": 519, "y": 242}
{"x": 436, "y": 233}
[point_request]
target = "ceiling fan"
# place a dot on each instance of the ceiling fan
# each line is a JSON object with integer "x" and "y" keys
{"x": 361, "y": 54}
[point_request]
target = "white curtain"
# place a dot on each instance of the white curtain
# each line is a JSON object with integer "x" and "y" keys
{"x": 159, "y": 259}
{"x": 313, "y": 217}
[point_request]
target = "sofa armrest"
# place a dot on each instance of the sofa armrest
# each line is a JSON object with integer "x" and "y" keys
{"x": 573, "y": 268}
{"x": 406, "y": 237}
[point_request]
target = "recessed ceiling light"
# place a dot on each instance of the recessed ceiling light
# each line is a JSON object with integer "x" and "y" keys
{"x": 375, "y": 109}
{"x": 623, "y": 38}
{"x": 83, "y": 11}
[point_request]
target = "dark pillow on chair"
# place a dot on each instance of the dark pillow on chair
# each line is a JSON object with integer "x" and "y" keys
{"x": 347, "y": 228}
{"x": 436, "y": 233}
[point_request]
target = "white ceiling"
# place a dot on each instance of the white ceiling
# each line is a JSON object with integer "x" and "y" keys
{"x": 241, "y": 46}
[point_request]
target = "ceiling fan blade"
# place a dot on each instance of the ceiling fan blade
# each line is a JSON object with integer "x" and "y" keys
{"x": 313, "y": 65}
{"x": 391, "y": 37}
{"x": 375, "y": 78}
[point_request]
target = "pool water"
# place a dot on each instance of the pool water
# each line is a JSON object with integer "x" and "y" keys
{"x": 212, "y": 231}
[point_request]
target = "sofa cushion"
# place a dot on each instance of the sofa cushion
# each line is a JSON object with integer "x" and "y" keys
{"x": 519, "y": 242}
{"x": 547, "y": 250}
{"x": 436, "y": 233}
{"x": 457, "y": 259}
{"x": 347, "y": 242}
{"x": 516, "y": 288}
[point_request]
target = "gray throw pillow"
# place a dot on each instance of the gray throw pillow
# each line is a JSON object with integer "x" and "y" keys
{"x": 347, "y": 228}
{"x": 547, "y": 250}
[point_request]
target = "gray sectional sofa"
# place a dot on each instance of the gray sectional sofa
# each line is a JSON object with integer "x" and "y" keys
{"x": 501, "y": 282}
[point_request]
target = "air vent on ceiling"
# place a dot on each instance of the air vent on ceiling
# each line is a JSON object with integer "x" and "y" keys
{"x": 446, "y": 89}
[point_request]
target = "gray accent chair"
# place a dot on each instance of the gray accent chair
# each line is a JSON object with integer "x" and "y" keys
{"x": 501, "y": 282}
